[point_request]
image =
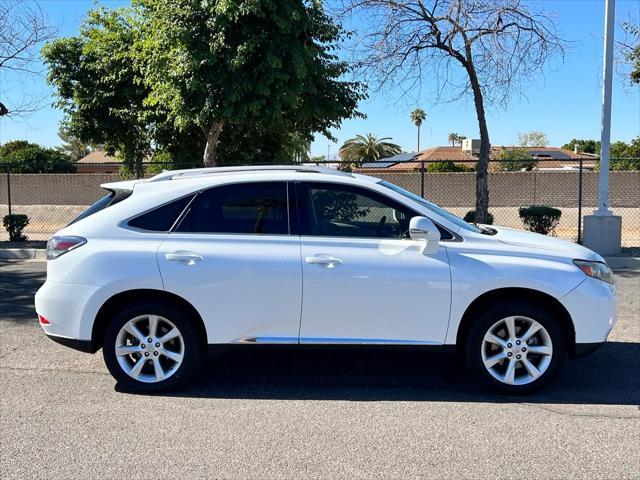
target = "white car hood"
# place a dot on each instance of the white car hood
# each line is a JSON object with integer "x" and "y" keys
{"x": 552, "y": 245}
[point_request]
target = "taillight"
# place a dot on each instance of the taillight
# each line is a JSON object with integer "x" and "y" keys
{"x": 57, "y": 246}
{"x": 42, "y": 319}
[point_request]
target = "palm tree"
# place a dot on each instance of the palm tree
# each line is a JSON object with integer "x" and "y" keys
{"x": 417, "y": 117}
{"x": 456, "y": 138}
{"x": 367, "y": 148}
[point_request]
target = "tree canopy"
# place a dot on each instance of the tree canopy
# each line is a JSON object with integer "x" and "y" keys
{"x": 25, "y": 157}
{"x": 238, "y": 80}
{"x": 533, "y": 139}
{"x": 516, "y": 159}
{"x": 367, "y": 148}
{"x": 417, "y": 117}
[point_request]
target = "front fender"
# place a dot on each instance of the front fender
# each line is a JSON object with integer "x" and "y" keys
{"x": 474, "y": 274}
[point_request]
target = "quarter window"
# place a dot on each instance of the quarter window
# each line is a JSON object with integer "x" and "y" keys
{"x": 162, "y": 218}
{"x": 246, "y": 208}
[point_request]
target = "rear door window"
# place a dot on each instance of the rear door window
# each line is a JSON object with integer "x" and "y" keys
{"x": 243, "y": 208}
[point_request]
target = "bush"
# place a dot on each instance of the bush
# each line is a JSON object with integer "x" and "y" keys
{"x": 25, "y": 157}
{"x": 446, "y": 166}
{"x": 470, "y": 217}
{"x": 15, "y": 224}
{"x": 516, "y": 159}
{"x": 540, "y": 218}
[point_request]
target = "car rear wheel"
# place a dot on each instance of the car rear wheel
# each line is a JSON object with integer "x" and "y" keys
{"x": 151, "y": 347}
{"x": 515, "y": 347}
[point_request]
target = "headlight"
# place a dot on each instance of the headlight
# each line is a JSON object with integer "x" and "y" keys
{"x": 597, "y": 270}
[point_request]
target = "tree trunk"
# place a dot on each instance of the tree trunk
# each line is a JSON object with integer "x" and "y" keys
{"x": 212, "y": 144}
{"x": 482, "y": 184}
{"x": 418, "y": 139}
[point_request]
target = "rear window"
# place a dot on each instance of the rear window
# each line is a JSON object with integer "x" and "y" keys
{"x": 162, "y": 218}
{"x": 115, "y": 196}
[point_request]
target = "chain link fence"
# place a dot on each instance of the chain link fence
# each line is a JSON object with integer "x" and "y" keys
{"x": 52, "y": 200}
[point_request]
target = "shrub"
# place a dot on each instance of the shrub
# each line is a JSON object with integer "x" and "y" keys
{"x": 14, "y": 224}
{"x": 516, "y": 159}
{"x": 446, "y": 166}
{"x": 540, "y": 218}
{"x": 25, "y": 157}
{"x": 470, "y": 217}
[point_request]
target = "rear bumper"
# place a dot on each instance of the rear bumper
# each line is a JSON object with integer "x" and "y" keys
{"x": 81, "y": 345}
{"x": 71, "y": 308}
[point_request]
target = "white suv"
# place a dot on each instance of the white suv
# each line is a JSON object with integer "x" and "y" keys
{"x": 161, "y": 268}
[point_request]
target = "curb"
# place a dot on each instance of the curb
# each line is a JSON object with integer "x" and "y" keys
{"x": 22, "y": 254}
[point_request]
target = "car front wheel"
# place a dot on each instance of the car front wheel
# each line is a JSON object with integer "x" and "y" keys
{"x": 515, "y": 347}
{"x": 151, "y": 347}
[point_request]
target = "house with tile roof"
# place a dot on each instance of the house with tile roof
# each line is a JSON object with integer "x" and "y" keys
{"x": 549, "y": 158}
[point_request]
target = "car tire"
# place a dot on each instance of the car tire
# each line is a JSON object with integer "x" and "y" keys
{"x": 166, "y": 362}
{"x": 496, "y": 340}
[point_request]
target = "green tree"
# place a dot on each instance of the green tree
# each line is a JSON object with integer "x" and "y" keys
{"x": 367, "y": 148}
{"x": 417, "y": 117}
{"x": 247, "y": 62}
{"x": 25, "y": 157}
{"x": 516, "y": 159}
{"x": 455, "y": 138}
{"x": 586, "y": 146}
{"x": 72, "y": 146}
{"x": 447, "y": 166}
{"x": 99, "y": 84}
{"x": 166, "y": 77}
{"x": 625, "y": 156}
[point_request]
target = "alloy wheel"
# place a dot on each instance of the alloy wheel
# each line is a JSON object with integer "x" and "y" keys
{"x": 149, "y": 348}
{"x": 517, "y": 350}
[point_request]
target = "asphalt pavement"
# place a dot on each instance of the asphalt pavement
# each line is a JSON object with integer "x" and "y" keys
{"x": 310, "y": 413}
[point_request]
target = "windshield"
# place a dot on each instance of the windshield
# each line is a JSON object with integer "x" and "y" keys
{"x": 431, "y": 206}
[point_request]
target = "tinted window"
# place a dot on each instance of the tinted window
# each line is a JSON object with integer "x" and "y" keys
{"x": 258, "y": 208}
{"x": 161, "y": 219}
{"x": 114, "y": 197}
{"x": 345, "y": 211}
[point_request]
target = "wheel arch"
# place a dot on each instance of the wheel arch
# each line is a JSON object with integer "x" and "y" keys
{"x": 127, "y": 297}
{"x": 493, "y": 296}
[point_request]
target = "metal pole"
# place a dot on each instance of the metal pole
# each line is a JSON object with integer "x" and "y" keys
{"x": 580, "y": 202}
{"x": 605, "y": 134}
{"x": 422, "y": 179}
{"x": 9, "y": 189}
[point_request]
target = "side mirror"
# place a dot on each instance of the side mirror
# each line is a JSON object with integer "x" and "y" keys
{"x": 422, "y": 228}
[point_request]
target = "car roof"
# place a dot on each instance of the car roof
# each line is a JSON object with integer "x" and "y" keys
{"x": 190, "y": 178}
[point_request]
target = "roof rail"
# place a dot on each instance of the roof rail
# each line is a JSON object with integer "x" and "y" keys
{"x": 195, "y": 172}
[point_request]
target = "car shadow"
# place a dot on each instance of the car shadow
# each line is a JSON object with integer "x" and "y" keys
{"x": 608, "y": 377}
{"x": 17, "y": 289}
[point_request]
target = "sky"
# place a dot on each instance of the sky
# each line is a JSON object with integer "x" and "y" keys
{"x": 564, "y": 101}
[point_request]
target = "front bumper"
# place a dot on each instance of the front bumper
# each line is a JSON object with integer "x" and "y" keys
{"x": 593, "y": 306}
{"x": 584, "y": 349}
{"x": 71, "y": 308}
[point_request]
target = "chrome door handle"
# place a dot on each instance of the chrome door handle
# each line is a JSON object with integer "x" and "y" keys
{"x": 185, "y": 257}
{"x": 323, "y": 260}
